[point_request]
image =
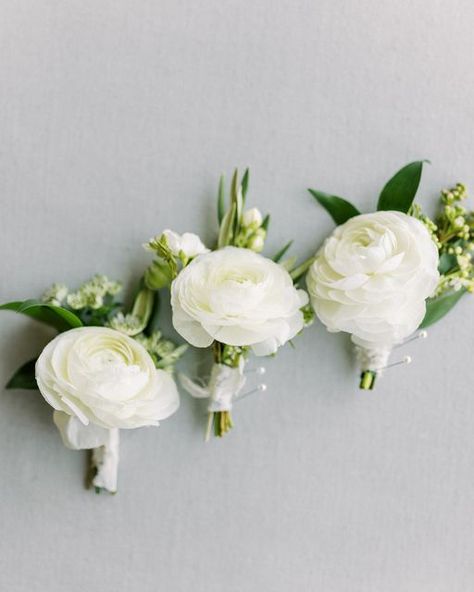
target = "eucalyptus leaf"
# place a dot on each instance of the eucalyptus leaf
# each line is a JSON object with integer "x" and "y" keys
{"x": 439, "y": 306}
{"x": 221, "y": 200}
{"x": 338, "y": 208}
{"x": 281, "y": 253}
{"x": 24, "y": 377}
{"x": 399, "y": 192}
{"x": 55, "y": 316}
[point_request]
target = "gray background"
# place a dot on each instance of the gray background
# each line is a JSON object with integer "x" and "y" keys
{"x": 116, "y": 118}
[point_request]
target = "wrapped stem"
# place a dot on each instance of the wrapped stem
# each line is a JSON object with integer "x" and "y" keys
{"x": 103, "y": 444}
{"x": 371, "y": 361}
{"x": 220, "y": 421}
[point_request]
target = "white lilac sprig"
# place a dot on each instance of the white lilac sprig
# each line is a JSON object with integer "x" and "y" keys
{"x": 453, "y": 232}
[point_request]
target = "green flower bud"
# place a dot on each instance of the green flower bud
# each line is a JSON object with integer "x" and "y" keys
{"x": 158, "y": 275}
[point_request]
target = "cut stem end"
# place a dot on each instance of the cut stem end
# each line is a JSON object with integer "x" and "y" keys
{"x": 222, "y": 423}
{"x": 367, "y": 380}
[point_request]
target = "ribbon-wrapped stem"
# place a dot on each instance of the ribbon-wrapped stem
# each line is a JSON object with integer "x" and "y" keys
{"x": 371, "y": 361}
{"x": 223, "y": 387}
{"x": 220, "y": 418}
{"x": 103, "y": 444}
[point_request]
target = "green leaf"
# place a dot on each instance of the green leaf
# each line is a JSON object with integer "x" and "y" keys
{"x": 299, "y": 271}
{"x": 237, "y": 199}
{"x": 446, "y": 263}
{"x": 399, "y": 192}
{"x": 24, "y": 377}
{"x": 266, "y": 222}
{"x": 55, "y": 316}
{"x": 226, "y": 229}
{"x": 339, "y": 209}
{"x": 437, "y": 307}
{"x": 281, "y": 253}
{"x": 221, "y": 200}
{"x": 245, "y": 185}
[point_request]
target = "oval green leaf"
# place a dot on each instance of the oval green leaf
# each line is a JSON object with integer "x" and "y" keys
{"x": 338, "y": 208}
{"x": 437, "y": 307}
{"x": 54, "y": 316}
{"x": 24, "y": 377}
{"x": 399, "y": 192}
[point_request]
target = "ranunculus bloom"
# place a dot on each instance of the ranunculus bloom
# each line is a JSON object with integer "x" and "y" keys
{"x": 105, "y": 377}
{"x": 237, "y": 297}
{"x": 372, "y": 275}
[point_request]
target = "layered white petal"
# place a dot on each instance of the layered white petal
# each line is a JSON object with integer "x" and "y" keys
{"x": 104, "y": 377}
{"x": 237, "y": 297}
{"x": 372, "y": 276}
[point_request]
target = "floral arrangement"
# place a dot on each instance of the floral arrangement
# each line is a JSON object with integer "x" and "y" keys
{"x": 230, "y": 299}
{"x": 383, "y": 275}
{"x": 106, "y": 370}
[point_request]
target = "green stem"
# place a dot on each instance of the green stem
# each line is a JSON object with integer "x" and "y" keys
{"x": 301, "y": 269}
{"x": 367, "y": 380}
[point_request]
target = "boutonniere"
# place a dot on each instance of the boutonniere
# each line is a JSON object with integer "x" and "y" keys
{"x": 230, "y": 299}
{"x": 106, "y": 370}
{"x": 383, "y": 275}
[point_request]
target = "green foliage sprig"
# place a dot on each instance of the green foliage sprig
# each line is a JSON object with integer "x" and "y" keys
{"x": 95, "y": 304}
{"x": 453, "y": 232}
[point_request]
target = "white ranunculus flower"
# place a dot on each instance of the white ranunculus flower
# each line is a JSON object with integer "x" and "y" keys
{"x": 237, "y": 297}
{"x": 102, "y": 376}
{"x": 372, "y": 275}
{"x": 188, "y": 243}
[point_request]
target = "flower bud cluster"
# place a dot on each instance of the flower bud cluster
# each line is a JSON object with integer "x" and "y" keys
{"x": 252, "y": 233}
{"x": 453, "y": 233}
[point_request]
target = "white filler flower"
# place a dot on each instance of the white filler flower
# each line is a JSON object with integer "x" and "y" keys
{"x": 237, "y": 297}
{"x": 104, "y": 377}
{"x": 188, "y": 243}
{"x": 372, "y": 276}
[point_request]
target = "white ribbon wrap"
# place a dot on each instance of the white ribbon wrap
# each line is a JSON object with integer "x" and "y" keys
{"x": 103, "y": 442}
{"x": 225, "y": 384}
{"x": 373, "y": 359}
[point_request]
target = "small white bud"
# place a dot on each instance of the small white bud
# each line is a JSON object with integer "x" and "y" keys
{"x": 252, "y": 218}
{"x": 256, "y": 243}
